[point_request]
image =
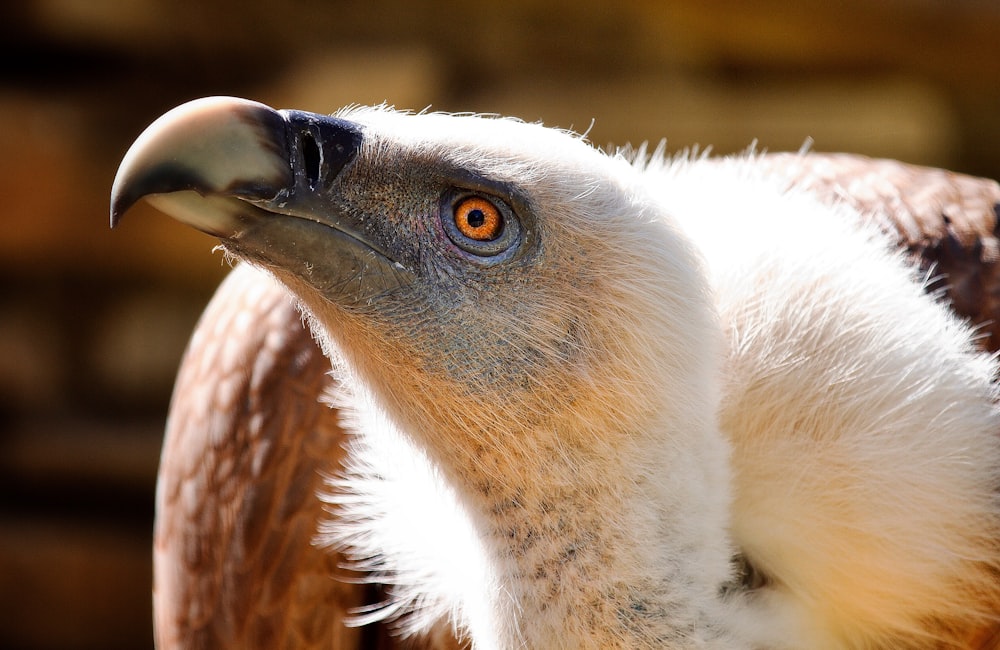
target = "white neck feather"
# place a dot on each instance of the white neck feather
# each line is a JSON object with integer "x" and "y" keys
{"x": 566, "y": 559}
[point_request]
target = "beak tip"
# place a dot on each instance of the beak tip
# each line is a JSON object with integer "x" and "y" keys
{"x": 116, "y": 215}
{"x": 124, "y": 195}
{"x": 118, "y": 205}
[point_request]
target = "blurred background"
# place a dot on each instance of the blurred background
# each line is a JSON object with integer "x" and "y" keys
{"x": 93, "y": 322}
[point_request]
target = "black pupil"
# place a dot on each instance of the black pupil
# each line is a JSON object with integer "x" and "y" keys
{"x": 476, "y": 218}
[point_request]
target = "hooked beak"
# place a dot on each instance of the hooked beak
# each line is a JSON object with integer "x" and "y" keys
{"x": 263, "y": 181}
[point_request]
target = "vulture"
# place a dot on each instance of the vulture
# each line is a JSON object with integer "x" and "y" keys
{"x": 477, "y": 383}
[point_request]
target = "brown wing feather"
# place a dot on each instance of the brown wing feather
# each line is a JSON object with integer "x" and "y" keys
{"x": 245, "y": 447}
{"x": 247, "y": 444}
{"x": 948, "y": 220}
{"x": 247, "y": 438}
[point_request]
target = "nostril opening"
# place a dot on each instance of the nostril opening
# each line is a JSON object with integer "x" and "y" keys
{"x": 311, "y": 158}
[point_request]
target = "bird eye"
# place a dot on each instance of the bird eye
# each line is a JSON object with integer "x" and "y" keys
{"x": 478, "y": 224}
{"x": 478, "y": 219}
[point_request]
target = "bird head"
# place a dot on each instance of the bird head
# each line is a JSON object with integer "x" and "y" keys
{"x": 487, "y": 279}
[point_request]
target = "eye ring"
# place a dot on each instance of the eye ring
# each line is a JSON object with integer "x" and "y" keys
{"x": 479, "y": 224}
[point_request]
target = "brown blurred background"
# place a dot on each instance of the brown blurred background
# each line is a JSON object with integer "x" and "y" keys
{"x": 92, "y": 322}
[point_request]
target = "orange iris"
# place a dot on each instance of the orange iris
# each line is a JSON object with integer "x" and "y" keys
{"x": 478, "y": 219}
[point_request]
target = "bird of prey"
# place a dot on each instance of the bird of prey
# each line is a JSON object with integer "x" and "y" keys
{"x": 545, "y": 396}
